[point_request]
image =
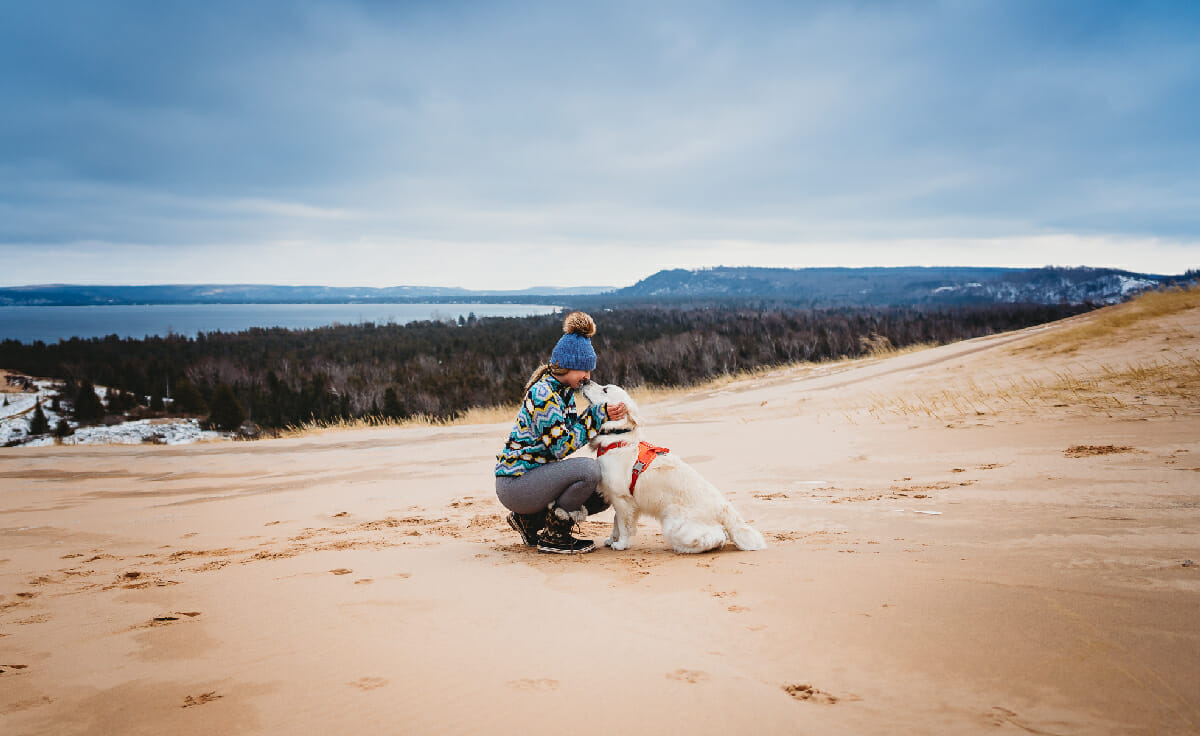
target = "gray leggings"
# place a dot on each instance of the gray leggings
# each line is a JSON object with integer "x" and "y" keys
{"x": 569, "y": 484}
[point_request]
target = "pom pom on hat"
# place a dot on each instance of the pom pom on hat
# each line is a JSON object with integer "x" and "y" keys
{"x": 574, "y": 349}
{"x": 579, "y": 323}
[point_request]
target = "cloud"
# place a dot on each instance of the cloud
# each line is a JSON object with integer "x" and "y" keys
{"x": 143, "y": 133}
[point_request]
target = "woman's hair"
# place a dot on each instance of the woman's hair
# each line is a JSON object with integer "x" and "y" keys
{"x": 542, "y": 370}
{"x": 575, "y": 323}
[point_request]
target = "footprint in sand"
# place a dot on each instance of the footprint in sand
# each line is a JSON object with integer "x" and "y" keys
{"x": 999, "y": 716}
{"x": 11, "y": 668}
{"x": 369, "y": 683}
{"x": 168, "y": 619}
{"x": 810, "y": 694}
{"x": 737, "y": 609}
{"x": 689, "y": 676}
{"x": 1077, "y": 451}
{"x": 539, "y": 684}
{"x": 341, "y": 571}
{"x": 363, "y": 581}
{"x": 12, "y": 604}
{"x": 200, "y": 699}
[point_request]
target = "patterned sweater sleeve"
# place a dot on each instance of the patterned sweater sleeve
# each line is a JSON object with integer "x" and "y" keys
{"x": 558, "y": 430}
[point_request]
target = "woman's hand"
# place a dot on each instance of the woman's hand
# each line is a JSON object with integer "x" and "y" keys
{"x": 616, "y": 412}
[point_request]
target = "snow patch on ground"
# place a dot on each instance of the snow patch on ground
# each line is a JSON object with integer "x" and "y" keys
{"x": 156, "y": 431}
{"x": 1130, "y": 284}
{"x": 14, "y": 424}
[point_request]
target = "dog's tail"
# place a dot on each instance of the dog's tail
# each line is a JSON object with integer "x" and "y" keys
{"x": 743, "y": 535}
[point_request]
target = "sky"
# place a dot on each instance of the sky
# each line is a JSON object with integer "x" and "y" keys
{"x": 506, "y": 145}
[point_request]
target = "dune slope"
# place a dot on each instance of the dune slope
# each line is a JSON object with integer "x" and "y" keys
{"x": 993, "y": 536}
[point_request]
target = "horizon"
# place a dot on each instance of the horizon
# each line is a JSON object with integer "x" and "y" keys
{"x": 510, "y": 145}
{"x": 558, "y": 287}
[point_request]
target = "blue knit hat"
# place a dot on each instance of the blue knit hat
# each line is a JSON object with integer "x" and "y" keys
{"x": 574, "y": 349}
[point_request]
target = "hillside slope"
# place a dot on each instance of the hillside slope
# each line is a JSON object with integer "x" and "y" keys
{"x": 824, "y": 287}
{"x": 992, "y": 536}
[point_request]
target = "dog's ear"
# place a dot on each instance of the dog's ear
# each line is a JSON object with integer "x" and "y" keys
{"x": 632, "y": 413}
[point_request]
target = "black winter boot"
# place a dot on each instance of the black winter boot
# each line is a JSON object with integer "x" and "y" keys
{"x": 528, "y": 526}
{"x": 556, "y": 538}
{"x": 595, "y": 504}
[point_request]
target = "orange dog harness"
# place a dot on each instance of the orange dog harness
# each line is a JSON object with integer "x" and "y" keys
{"x": 646, "y": 454}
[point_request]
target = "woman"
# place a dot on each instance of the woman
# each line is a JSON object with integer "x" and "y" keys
{"x": 546, "y": 493}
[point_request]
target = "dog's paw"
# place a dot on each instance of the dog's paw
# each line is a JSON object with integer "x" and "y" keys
{"x": 609, "y": 542}
{"x": 620, "y": 544}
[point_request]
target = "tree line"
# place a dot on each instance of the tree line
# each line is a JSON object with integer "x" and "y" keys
{"x": 278, "y": 377}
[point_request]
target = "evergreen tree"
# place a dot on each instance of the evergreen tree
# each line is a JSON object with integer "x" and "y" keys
{"x": 88, "y": 408}
{"x": 227, "y": 413}
{"x": 38, "y": 424}
{"x": 156, "y": 402}
{"x": 120, "y": 401}
{"x": 392, "y": 408}
{"x": 62, "y": 429}
{"x": 114, "y": 403}
{"x": 188, "y": 400}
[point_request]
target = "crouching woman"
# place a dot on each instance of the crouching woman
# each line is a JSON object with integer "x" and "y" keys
{"x": 546, "y": 493}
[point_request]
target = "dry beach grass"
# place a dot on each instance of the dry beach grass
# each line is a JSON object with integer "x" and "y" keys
{"x": 1135, "y": 359}
{"x": 986, "y": 537}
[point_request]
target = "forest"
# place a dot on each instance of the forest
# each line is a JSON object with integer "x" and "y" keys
{"x": 279, "y": 377}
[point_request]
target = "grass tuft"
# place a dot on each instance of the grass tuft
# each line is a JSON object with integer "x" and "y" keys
{"x": 1106, "y": 323}
{"x": 478, "y": 415}
{"x": 1158, "y": 387}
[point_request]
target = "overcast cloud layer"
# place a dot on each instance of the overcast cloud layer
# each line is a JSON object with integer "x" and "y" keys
{"x": 507, "y": 145}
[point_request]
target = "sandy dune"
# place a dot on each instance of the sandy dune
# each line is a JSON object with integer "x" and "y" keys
{"x": 987, "y": 537}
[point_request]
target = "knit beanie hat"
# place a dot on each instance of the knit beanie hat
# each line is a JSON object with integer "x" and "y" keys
{"x": 574, "y": 349}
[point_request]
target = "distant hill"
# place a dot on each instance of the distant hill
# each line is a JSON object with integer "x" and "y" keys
{"x": 898, "y": 286}
{"x": 805, "y": 287}
{"x": 76, "y": 295}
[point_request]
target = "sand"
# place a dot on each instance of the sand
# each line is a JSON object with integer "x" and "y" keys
{"x": 987, "y": 537}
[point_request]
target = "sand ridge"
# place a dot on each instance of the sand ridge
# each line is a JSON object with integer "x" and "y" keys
{"x": 999, "y": 565}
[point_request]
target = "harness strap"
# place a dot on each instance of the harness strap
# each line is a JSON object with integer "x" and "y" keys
{"x": 613, "y": 446}
{"x": 646, "y": 454}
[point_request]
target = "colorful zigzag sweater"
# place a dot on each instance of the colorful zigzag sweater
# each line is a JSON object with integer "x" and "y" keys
{"x": 548, "y": 428}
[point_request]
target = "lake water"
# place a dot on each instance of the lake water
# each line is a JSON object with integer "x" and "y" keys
{"x": 51, "y": 324}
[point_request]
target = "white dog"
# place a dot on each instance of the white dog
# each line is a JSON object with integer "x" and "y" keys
{"x": 637, "y": 478}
